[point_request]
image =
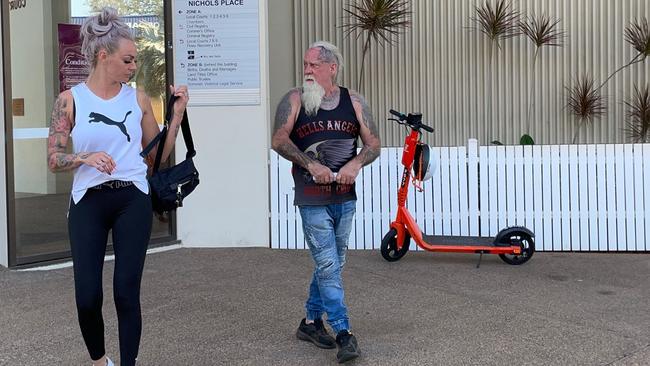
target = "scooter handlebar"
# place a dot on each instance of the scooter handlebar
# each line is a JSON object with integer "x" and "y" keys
{"x": 413, "y": 120}
{"x": 397, "y": 114}
{"x": 426, "y": 128}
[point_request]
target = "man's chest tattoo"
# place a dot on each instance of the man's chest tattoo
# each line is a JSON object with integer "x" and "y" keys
{"x": 330, "y": 102}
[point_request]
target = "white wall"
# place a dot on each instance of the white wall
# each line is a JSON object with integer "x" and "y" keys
{"x": 231, "y": 205}
{"x": 4, "y": 240}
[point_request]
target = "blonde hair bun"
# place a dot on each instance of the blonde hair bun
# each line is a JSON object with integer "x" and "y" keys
{"x": 102, "y": 31}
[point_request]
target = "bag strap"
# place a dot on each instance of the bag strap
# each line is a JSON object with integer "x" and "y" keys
{"x": 162, "y": 136}
{"x": 185, "y": 126}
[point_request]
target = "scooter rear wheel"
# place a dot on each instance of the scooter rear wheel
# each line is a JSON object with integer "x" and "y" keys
{"x": 389, "y": 246}
{"x": 527, "y": 245}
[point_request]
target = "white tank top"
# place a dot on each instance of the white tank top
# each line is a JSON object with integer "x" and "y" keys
{"x": 114, "y": 127}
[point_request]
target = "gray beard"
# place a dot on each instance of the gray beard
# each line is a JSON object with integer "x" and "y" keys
{"x": 312, "y": 97}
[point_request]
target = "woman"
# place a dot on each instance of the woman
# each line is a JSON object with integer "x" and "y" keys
{"x": 109, "y": 123}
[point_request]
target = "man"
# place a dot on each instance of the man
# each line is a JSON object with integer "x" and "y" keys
{"x": 317, "y": 127}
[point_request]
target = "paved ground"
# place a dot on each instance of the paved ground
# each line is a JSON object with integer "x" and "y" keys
{"x": 241, "y": 307}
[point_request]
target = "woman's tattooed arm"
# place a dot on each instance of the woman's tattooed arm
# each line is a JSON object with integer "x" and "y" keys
{"x": 57, "y": 141}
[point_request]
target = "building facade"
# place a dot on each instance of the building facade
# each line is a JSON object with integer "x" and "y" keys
{"x": 464, "y": 85}
{"x": 230, "y": 206}
{"x": 439, "y": 66}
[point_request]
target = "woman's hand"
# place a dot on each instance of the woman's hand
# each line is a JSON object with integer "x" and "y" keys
{"x": 99, "y": 160}
{"x": 183, "y": 97}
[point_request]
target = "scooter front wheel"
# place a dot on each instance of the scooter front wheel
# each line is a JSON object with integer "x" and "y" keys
{"x": 389, "y": 246}
{"x": 527, "y": 245}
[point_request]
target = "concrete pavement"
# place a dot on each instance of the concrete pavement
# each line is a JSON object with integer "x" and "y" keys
{"x": 242, "y": 306}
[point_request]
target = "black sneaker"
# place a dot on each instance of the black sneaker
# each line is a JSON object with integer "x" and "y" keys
{"x": 316, "y": 334}
{"x": 348, "y": 346}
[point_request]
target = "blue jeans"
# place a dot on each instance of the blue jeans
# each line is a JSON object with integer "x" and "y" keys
{"x": 327, "y": 230}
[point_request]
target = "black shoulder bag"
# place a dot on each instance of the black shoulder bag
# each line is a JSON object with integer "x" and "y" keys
{"x": 171, "y": 185}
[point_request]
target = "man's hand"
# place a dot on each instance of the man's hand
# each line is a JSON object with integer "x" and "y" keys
{"x": 348, "y": 173}
{"x": 320, "y": 173}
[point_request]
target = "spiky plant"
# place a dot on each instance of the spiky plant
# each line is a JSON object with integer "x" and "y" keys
{"x": 542, "y": 31}
{"x": 585, "y": 102}
{"x": 151, "y": 59}
{"x": 379, "y": 19}
{"x": 497, "y": 23}
{"x": 638, "y": 115}
{"x": 637, "y": 34}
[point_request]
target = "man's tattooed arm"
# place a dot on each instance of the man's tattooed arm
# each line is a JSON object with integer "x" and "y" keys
{"x": 57, "y": 141}
{"x": 369, "y": 133}
{"x": 285, "y": 116}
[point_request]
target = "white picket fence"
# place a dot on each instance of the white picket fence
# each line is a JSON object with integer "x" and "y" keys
{"x": 573, "y": 197}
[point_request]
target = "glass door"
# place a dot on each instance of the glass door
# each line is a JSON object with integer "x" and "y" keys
{"x": 38, "y": 198}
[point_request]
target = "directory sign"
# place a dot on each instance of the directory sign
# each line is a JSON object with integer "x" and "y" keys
{"x": 217, "y": 50}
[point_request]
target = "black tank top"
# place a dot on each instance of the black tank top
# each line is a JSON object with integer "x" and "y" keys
{"x": 331, "y": 138}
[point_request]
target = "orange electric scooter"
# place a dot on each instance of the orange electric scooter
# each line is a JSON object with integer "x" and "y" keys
{"x": 514, "y": 245}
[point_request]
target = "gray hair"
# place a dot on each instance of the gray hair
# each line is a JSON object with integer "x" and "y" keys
{"x": 102, "y": 31}
{"x": 329, "y": 53}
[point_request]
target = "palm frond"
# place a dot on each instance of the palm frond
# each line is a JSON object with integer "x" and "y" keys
{"x": 151, "y": 60}
{"x": 585, "y": 102}
{"x": 542, "y": 30}
{"x": 638, "y": 115}
{"x": 496, "y": 22}
{"x": 379, "y": 18}
{"x": 637, "y": 33}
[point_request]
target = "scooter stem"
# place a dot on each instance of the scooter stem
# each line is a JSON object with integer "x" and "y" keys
{"x": 408, "y": 155}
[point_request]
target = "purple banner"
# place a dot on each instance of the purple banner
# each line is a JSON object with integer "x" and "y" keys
{"x": 73, "y": 67}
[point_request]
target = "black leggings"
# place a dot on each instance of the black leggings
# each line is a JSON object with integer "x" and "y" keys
{"x": 127, "y": 211}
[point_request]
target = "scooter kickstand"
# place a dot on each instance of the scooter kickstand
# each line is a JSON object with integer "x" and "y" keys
{"x": 479, "y": 259}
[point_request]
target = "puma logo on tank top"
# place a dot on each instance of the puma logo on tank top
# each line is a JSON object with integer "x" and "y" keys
{"x": 98, "y": 117}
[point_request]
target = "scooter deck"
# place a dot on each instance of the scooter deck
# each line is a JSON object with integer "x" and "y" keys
{"x": 470, "y": 241}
